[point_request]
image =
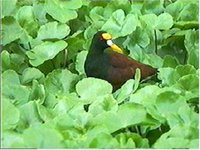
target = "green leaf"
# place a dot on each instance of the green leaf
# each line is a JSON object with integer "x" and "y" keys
{"x": 176, "y": 138}
{"x": 45, "y": 51}
{"x": 97, "y": 16}
{"x": 188, "y": 12}
{"x": 88, "y": 34}
{"x": 11, "y": 30}
{"x": 103, "y": 140}
{"x": 5, "y": 60}
{"x": 91, "y": 134}
{"x": 65, "y": 121}
{"x": 45, "y": 113}
{"x": 91, "y": 88}
{"x": 131, "y": 114}
{"x": 182, "y": 10}
{"x": 149, "y": 95}
{"x": 192, "y": 47}
{"x": 40, "y": 12}
{"x": 189, "y": 83}
{"x": 12, "y": 89}
{"x": 189, "y": 86}
{"x": 109, "y": 120}
{"x": 194, "y": 144}
{"x": 62, "y": 11}
{"x": 183, "y": 70}
{"x": 10, "y": 115}
{"x": 125, "y": 141}
{"x": 125, "y": 91}
{"x": 42, "y": 137}
{"x": 150, "y": 20}
{"x": 11, "y": 139}
{"x": 29, "y": 115}
{"x": 128, "y": 114}
{"x": 107, "y": 104}
{"x": 120, "y": 25}
{"x": 148, "y": 99}
{"x": 30, "y": 74}
{"x": 80, "y": 61}
{"x": 37, "y": 92}
{"x": 53, "y": 30}
{"x": 60, "y": 81}
{"x": 172, "y": 142}
{"x": 131, "y": 140}
{"x": 13, "y": 61}
{"x": 170, "y": 99}
{"x": 142, "y": 39}
{"x": 170, "y": 76}
{"x": 26, "y": 19}
{"x": 137, "y": 78}
{"x": 10, "y": 7}
{"x": 164, "y": 22}
{"x": 170, "y": 61}
{"x": 188, "y": 116}
{"x": 153, "y": 6}
{"x": 175, "y": 8}
{"x": 27, "y": 41}
{"x": 76, "y": 44}
{"x": 68, "y": 104}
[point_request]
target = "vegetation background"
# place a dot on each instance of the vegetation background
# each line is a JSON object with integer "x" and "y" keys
{"x": 45, "y": 90}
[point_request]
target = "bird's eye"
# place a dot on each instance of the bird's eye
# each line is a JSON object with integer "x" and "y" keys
{"x": 101, "y": 38}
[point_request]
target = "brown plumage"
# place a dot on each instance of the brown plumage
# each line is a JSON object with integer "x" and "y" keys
{"x": 104, "y": 63}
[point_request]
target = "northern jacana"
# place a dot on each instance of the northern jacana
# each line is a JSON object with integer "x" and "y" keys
{"x": 105, "y": 60}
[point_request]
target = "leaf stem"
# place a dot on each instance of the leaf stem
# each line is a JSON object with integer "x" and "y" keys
{"x": 138, "y": 130}
{"x": 65, "y": 59}
{"x": 155, "y": 36}
{"x": 29, "y": 45}
{"x": 185, "y": 58}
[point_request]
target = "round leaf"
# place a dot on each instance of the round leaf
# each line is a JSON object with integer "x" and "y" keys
{"x": 164, "y": 21}
{"x": 91, "y": 88}
{"x": 63, "y": 11}
{"x": 30, "y": 74}
{"x": 45, "y": 51}
{"x": 11, "y": 30}
{"x": 53, "y": 30}
{"x": 10, "y": 114}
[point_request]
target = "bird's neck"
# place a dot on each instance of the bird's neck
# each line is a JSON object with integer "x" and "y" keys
{"x": 96, "y": 50}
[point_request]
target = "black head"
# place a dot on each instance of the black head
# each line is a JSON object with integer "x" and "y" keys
{"x": 99, "y": 41}
{"x": 102, "y": 40}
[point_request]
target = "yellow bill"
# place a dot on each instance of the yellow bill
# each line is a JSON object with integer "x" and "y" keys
{"x": 114, "y": 47}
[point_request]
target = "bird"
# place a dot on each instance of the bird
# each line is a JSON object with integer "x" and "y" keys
{"x": 105, "y": 60}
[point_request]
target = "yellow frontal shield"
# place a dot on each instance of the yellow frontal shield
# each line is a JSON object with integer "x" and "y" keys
{"x": 106, "y": 36}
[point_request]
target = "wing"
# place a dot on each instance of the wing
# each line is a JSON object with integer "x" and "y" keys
{"x": 126, "y": 65}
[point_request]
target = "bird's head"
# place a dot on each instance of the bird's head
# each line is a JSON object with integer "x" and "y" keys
{"x": 102, "y": 40}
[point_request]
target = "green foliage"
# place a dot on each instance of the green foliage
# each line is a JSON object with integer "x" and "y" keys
{"x": 11, "y": 30}
{"x": 47, "y": 101}
{"x": 119, "y": 25}
{"x": 10, "y": 8}
{"x": 49, "y": 51}
{"x": 62, "y": 11}
{"x": 53, "y": 30}
{"x": 97, "y": 88}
